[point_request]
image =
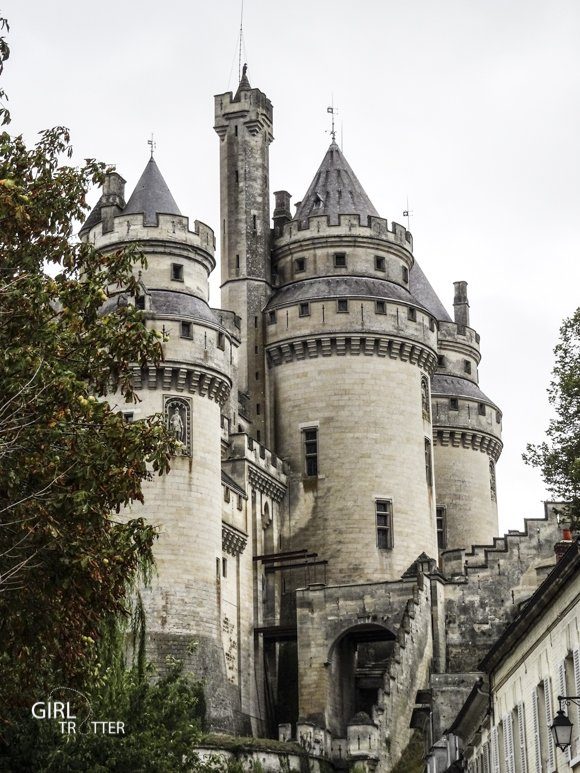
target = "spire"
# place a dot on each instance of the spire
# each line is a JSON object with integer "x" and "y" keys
{"x": 244, "y": 83}
{"x": 335, "y": 191}
{"x": 151, "y": 196}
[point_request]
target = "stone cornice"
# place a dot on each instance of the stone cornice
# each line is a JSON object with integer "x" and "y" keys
{"x": 233, "y": 540}
{"x": 266, "y": 483}
{"x": 192, "y": 379}
{"x": 468, "y": 438}
{"x": 369, "y": 345}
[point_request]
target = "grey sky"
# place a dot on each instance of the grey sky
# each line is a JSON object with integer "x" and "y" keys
{"x": 469, "y": 107}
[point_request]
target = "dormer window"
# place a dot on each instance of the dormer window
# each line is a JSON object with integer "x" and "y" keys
{"x": 140, "y": 302}
{"x": 340, "y": 259}
{"x": 318, "y": 201}
{"x": 177, "y": 272}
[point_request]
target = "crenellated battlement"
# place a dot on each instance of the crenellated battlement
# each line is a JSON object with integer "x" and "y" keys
{"x": 251, "y": 106}
{"x": 459, "y": 338}
{"x": 377, "y": 228}
{"x": 169, "y": 228}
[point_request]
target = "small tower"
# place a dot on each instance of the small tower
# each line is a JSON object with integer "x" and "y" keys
{"x": 189, "y": 386}
{"x": 244, "y": 125}
{"x": 466, "y": 434}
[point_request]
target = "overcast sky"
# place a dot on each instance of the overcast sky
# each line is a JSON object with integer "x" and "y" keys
{"x": 468, "y": 107}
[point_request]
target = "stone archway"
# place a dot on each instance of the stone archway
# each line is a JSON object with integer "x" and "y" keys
{"x": 357, "y": 661}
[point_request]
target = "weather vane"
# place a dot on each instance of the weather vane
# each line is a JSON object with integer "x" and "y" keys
{"x": 333, "y": 111}
{"x": 152, "y": 144}
{"x": 407, "y": 213}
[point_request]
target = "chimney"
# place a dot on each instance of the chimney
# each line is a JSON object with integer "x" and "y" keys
{"x": 282, "y": 213}
{"x": 112, "y": 200}
{"x": 561, "y": 548}
{"x": 461, "y": 304}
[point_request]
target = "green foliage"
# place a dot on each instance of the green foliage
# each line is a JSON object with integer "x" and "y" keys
{"x": 559, "y": 457}
{"x": 163, "y": 723}
{"x": 68, "y": 460}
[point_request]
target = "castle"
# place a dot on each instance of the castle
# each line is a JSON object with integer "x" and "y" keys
{"x": 328, "y": 560}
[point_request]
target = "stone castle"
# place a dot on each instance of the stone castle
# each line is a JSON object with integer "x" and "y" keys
{"x": 328, "y": 562}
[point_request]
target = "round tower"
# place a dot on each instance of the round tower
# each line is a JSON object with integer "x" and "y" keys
{"x": 466, "y": 435}
{"x": 182, "y": 606}
{"x": 351, "y": 352}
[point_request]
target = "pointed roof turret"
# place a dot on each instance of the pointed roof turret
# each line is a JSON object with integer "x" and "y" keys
{"x": 335, "y": 191}
{"x": 244, "y": 84}
{"x": 151, "y": 196}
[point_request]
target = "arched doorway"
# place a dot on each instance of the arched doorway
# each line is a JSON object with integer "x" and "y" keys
{"x": 357, "y": 661}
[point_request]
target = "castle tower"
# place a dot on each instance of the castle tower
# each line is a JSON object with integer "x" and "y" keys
{"x": 466, "y": 434}
{"x": 244, "y": 125}
{"x": 182, "y": 606}
{"x": 351, "y": 352}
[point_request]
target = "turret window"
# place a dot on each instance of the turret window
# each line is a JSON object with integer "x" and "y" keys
{"x": 453, "y": 404}
{"x": 340, "y": 259}
{"x": 412, "y": 314}
{"x": 467, "y": 366}
{"x": 342, "y": 306}
{"x": 310, "y": 439}
{"x": 441, "y": 516}
{"x": 140, "y": 302}
{"x": 186, "y": 330}
{"x": 481, "y": 409}
{"x": 380, "y": 307}
{"x": 379, "y": 263}
{"x": 384, "y": 522}
{"x": 431, "y": 323}
{"x": 271, "y": 317}
{"x": 405, "y": 273}
{"x": 177, "y": 272}
{"x": 221, "y": 340}
{"x": 300, "y": 265}
{"x": 428, "y": 462}
{"x": 304, "y": 310}
{"x": 441, "y": 361}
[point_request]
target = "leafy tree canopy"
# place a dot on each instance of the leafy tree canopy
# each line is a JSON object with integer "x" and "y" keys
{"x": 559, "y": 457}
{"x": 68, "y": 460}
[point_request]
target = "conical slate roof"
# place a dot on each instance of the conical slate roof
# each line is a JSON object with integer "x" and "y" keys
{"x": 421, "y": 289}
{"x": 335, "y": 191}
{"x": 151, "y": 196}
{"x": 244, "y": 84}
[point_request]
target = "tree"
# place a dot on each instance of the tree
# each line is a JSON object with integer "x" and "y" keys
{"x": 559, "y": 457}
{"x": 68, "y": 460}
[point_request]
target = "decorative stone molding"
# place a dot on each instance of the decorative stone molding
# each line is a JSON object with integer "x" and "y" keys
{"x": 476, "y": 441}
{"x": 233, "y": 541}
{"x": 367, "y": 345}
{"x": 184, "y": 379}
{"x": 266, "y": 484}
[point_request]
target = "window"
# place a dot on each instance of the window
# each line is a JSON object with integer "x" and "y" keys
{"x": 379, "y": 263}
{"x": 186, "y": 330}
{"x": 237, "y": 261}
{"x": 405, "y": 273}
{"x": 492, "y": 484}
{"x": 497, "y": 417}
{"x": 431, "y": 323}
{"x": 177, "y": 272}
{"x": 258, "y": 409}
{"x": 380, "y": 307}
{"x": 425, "y": 398}
{"x": 237, "y": 176}
{"x": 412, "y": 314}
{"x": 140, "y": 302}
{"x": 481, "y": 409}
{"x": 340, "y": 259}
{"x": 224, "y": 567}
{"x": 342, "y": 305}
{"x": 310, "y": 437}
{"x": 128, "y": 417}
{"x": 240, "y": 502}
{"x": 384, "y": 518}
{"x": 221, "y": 341}
{"x": 300, "y": 265}
{"x": 428, "y": 462}
{"x": 453, "y": 404}
{"x": 441, "y": 520}
{"x": 466, "y": 366}
{"x": 254, "y": 223}
{"x": 440, "y": 361}
{"x": 304, "y": 310}
{"x": 257, "y": 375}
{"x": 271, "y": 317}
{"x": 226, "y": 494}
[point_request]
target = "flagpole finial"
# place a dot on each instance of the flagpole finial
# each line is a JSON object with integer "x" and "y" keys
{"x": 333, "y": 111}
{"x": 152, "y": 144}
